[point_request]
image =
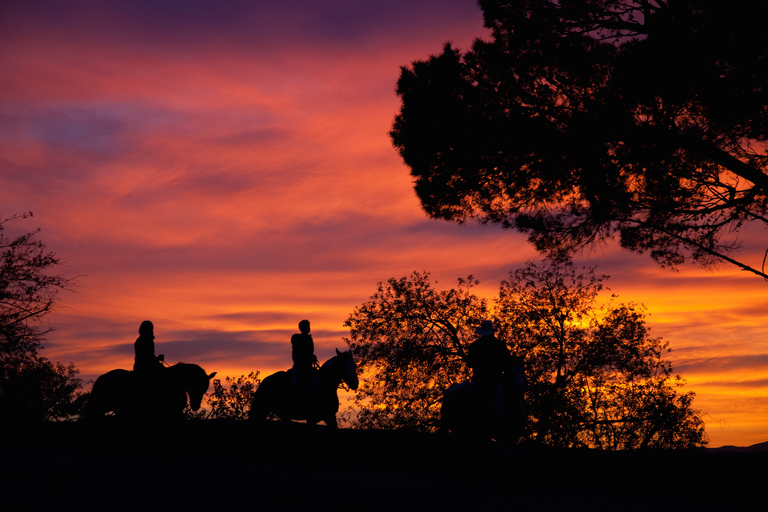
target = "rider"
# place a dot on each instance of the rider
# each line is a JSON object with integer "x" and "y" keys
{"x": 146, "y": 362}
{"x": 303, "y": 354}
{"x": 488, "y": 357}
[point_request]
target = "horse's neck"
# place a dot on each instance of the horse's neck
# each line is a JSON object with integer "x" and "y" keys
{"x": 326, "y": 376}
{"x": 182, "y": 367}
{"x": 181, "y": 372}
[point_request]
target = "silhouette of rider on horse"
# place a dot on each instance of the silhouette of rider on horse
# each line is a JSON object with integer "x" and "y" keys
{"x": 491, "y": 361}
{"x": 304, "y": 361}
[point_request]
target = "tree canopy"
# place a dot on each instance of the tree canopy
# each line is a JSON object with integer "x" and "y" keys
{"x": 584, "y": 120}
{"x": 31, "y": 387}
{"x": 411, "y": 341}
{"x": 596, "y": 376}
{"x": 228, "y": 401}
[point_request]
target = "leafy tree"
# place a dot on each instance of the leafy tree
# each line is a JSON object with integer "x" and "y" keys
{"x": 582, "y": 120}
{"x": 229, "y": 401}
{"x": 596, "y": 376}
{"x": 410, "y": 339}
{"x": 233, "y": 403}
{"x": 27, "y": 290}
{"x": 31, "y": 387}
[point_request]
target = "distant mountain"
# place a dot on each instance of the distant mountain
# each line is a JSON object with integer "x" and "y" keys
{"x": 759, "y": 447}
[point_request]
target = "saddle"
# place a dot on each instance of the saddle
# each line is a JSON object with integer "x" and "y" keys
{"x": 301, "y": 386}
{"x": 150, "y": 378}
{"x": 301, "y": 380}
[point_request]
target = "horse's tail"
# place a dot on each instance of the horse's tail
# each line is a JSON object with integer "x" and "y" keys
{"x": 257, "y": 412}
{"x": 88, "y": 412}
{"x": 96, "y": 402}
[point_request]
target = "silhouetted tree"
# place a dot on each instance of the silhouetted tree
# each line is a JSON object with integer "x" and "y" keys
{"x": 31, "y": 387}
{"x": 229, "y": 401}
{"x": 233, "y": 402}
{"x": 581, "y": 120}
{"x": 596, "y": 377}
{"x": 410, "y": 340}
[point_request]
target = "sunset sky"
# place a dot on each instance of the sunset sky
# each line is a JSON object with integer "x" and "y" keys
{"x": 223, "y": 168}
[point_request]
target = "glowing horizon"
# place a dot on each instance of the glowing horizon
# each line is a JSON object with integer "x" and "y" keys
{"x": 226, "y": 170}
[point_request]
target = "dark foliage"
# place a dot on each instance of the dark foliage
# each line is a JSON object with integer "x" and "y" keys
{"x": 596, "y": 376}
{"x": 228, "y": 401}
{"x": 410, "y": 340}
{"x": 35, "y": 389}
{"x": 27, "y": 290}
{"x": 582, "y": 120}
{"x": 31, "y": 387}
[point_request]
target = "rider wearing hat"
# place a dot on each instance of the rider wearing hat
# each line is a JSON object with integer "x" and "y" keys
{"x": 488, "y": 357}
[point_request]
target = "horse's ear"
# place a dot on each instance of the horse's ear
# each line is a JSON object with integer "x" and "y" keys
{"x": 337, "y": 352}
{"x": 211, "y": 375}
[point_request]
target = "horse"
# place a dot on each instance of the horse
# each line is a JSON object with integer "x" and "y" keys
{"x": 471, "y": 414}
{"x": 277, "y": 394}
{"x": 161, "y": 395}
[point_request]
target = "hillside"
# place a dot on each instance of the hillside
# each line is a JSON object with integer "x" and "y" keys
{"x": 229, "y": 465}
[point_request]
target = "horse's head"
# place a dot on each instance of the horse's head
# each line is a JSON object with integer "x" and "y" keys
{"x": 348, "y": 369}
{"x": 197, "y": 383}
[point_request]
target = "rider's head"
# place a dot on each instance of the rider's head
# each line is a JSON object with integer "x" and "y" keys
{"x": 146, "y": 329}
{"x": 304, "y": 326}
{"x": 486, "y": 328}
